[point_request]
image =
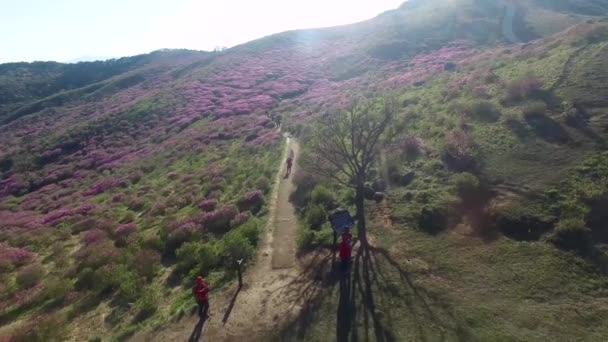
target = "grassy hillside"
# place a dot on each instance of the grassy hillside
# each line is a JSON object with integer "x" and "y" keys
{"x": 121, "y": 180}
{"x": 499, "y": 232}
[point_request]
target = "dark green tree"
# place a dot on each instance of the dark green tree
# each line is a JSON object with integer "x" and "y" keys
{"x": 345, "y": 146}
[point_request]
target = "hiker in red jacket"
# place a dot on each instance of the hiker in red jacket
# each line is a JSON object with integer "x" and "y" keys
{"x": 347, "y": 236}
{"x": 345, "y": 254}
{"x": 201, "y": 293}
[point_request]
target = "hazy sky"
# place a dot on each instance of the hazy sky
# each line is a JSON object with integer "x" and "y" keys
{"x": 63, "y": 30}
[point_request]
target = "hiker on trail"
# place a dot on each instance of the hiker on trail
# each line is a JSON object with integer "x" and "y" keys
{"x": 347, "y": 236}
{"x": 290, "y": 158}
{"x": 201, "y": 294}
{"x": 345, "y": 254}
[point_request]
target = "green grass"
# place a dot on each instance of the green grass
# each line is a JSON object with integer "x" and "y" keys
{"x": 462, "y": 289}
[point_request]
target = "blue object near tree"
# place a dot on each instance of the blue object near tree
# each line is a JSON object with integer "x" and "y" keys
{"x": 341, "y": 220}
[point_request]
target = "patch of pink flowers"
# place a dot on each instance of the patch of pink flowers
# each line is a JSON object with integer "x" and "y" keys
{"x": 125, "y": 229}
{"x": 103, "y": 185}
{"x": 208, "y": 204}
{"x": 93, "y": 236}
{"x": 15, "y": 256}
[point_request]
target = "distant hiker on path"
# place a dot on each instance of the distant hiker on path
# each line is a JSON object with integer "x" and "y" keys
{"x": 201, "y": 294}
{"x": 290, "y": 157}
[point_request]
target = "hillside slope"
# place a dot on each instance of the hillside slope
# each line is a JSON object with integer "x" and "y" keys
{"x": 165, "y": 159}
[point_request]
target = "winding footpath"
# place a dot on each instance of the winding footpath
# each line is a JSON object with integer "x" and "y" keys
{"x": 267, "y": 299}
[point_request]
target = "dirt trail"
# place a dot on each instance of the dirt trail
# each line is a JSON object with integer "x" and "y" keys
{"x": 268, "y": 298}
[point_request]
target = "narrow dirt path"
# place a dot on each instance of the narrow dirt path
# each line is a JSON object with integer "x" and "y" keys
{"x": 285, "y": 223}
{"x": 268, "y": 298}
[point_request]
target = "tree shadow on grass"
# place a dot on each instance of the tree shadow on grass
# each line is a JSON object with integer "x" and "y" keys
{"x": 231, "y": 305}
{"x": 369, "y": 304}
{"x": 547, "y": 128}
{"x": 308, "y": 290}
{"x": 197, "y": 332}
{"x": 431, "y": 313}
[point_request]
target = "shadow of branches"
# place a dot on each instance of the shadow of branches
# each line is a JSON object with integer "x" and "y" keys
{"x": 369, "y": 300}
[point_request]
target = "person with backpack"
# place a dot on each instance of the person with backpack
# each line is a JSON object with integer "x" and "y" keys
{"x": 201, "y": 294}
{"x": 345, "y": 254}
{"x": 290, "y": 158}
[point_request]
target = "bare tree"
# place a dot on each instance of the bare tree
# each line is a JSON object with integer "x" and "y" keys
{"x": 345, "y": 145}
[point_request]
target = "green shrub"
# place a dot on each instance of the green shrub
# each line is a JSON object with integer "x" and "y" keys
{"x": 42, "y": 329}
{"x": 305, "y": 238}
{"x": 152, "y": 242}
{"x": 433, "y": 219}
{"x": 146, "y": 263}
{"x": 481, "y": 110}
{"x": 147, "y": 304}
{"x": 571, "y": 234}
{"x": 104, "y": 278}
{"x": 466, "y": 184}
{"x": 29, "y": 276}
{"x": 522, "y": 221}
{"x": 86, "y": 279}
{"x": 251, "y": 230}
{"x": 196, "y": 257}
{"x": 127, "y": 282}
{"x": 263, "y": 184}
{"x": 56, "y": 288}
{"x": 128, "y": 217}
{"x": 235, "y": 246}
{"x": 322, "y": 196}
{"x": 308, "y": 238}
{"x": 188, "y": 256}
{"x": 534, "y": 108}
{"x": 316, "y": 216}
{"x": 208, "y": 257}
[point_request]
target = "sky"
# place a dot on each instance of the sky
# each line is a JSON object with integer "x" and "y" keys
{"x": 67, "y": 30}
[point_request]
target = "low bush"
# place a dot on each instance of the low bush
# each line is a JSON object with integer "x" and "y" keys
{"x": 188, "y": 256}
{"x": 218, "y": 221}
{"x": 308, "y": 238}
{"x": 466, "y": 184}
{"x": 57, "y": 289}
{"x": 571, "y": 234}
{"x": 316, "y": 216}
{"x": 518, "y": 90}
{"x": 240, "y": 218}
{"x": 147, "y": 304}
{"x": 534, "y": 108}
{"x": 128, "y": 283}
{"x": 458, "y": 151}
{"x": 251, "y": 201}
{"x": 208, "y": 205}
{"x": 251, "y": 230}
{"x": 481, "y": 110}
{"x": 522, "y": 222}
{"x": 42, "y": 329}
{"x": 146, "y": 263}
{"x": 433, "y": 219}
{"x": 209, "y": 258}
{"x": 234, "y": 246}
{"x": 29, "y": 276}
{"x": 263, "y": 184}
{"x": 97, "y": 255}
{"x": 322, "y": 196}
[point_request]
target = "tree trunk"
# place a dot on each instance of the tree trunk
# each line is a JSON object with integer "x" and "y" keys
{"x": 360, "y": 215}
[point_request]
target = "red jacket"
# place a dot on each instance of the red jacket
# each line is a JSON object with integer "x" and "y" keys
{"x": 201, "y": 290}
{"x": 344, "y": 250}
